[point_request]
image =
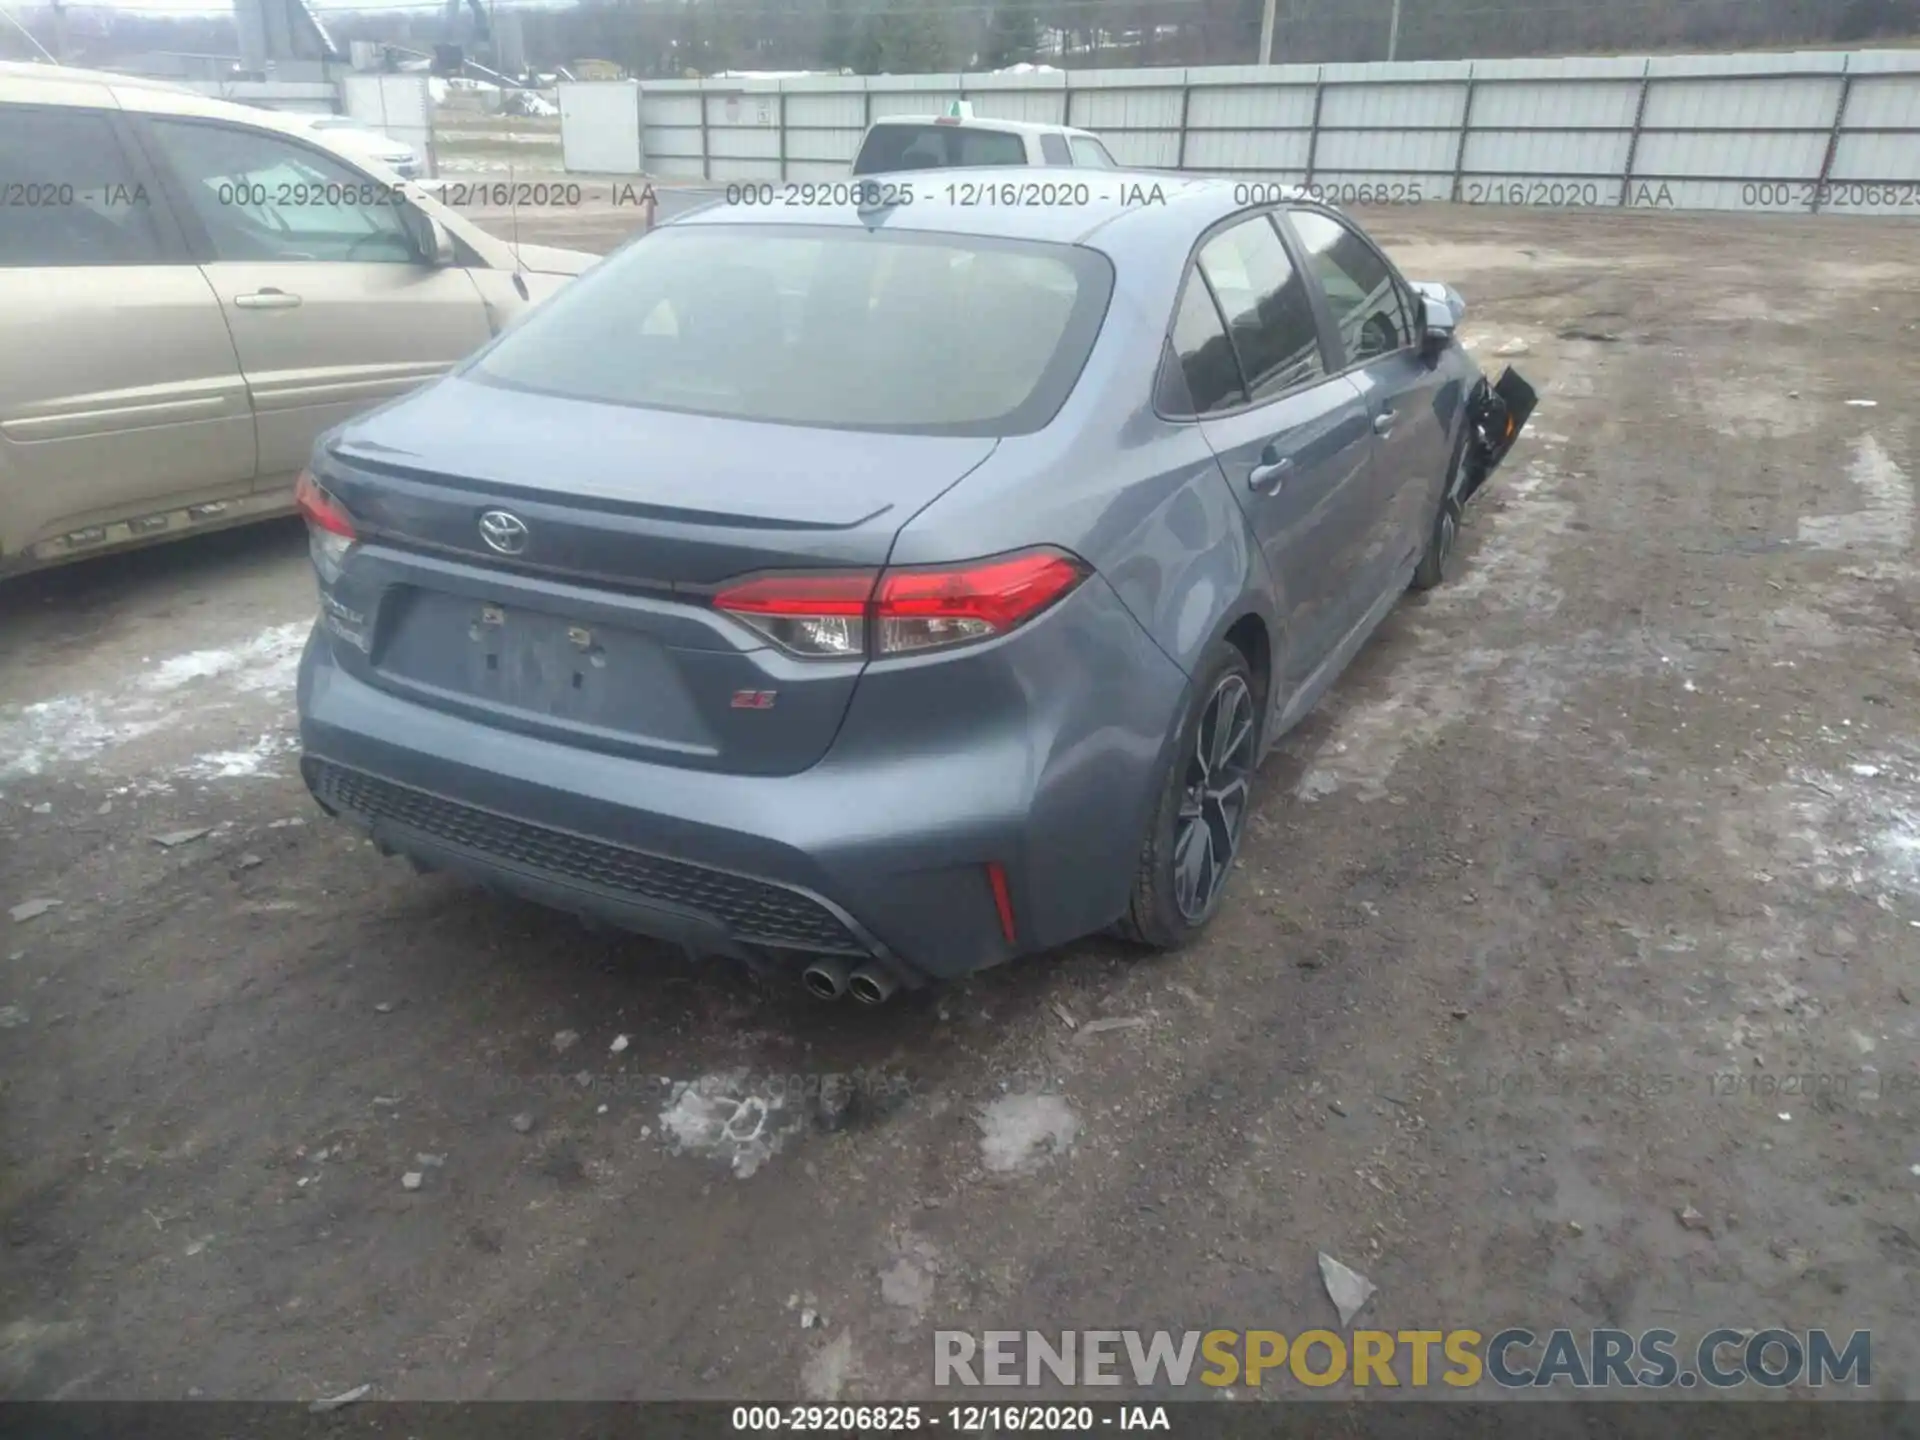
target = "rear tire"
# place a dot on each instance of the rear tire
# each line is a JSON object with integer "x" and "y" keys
{"x": 1205, "y": 796}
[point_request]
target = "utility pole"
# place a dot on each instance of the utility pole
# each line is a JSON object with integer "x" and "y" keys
{"x": 1393, "y": 31}
{"x": 1266, "y": 32}
{"x": 60, "y": 51}
{"x": 8, "y": 16}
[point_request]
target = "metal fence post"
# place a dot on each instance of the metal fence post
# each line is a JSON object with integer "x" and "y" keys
{"x": 1466, "y": 128}
{"x": 1633, "y": 140}
{"x": 1186, "y": 108}
{"x": 706, "y": 148}
{"x": 1313, "y": 132}
{"x": 1833, "y": 135}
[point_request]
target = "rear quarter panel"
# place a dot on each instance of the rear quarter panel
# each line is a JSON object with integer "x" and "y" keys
{"x": 1142, "y": 499}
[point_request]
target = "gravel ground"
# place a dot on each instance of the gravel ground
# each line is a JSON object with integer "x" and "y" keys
{"x": 1589, "y": 895}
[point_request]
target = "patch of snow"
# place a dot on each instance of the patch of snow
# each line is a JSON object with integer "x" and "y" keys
{"x": 1018, "y": 1132}
{"x": 1442, "y": 682}
{"x": 266, "y": 662}
{"x": 256, "y": 759}
{"x": 75, "y": 729}
{"x": 61, "y": 731}
{"x": 1858, "y": 836}
{"x": 722, "y": 1116}
{"x": 1886, "y": 521}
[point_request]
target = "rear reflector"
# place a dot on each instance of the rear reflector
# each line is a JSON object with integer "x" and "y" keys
{"x": 1002, "y": 900}
{"x": 854, "y": 613}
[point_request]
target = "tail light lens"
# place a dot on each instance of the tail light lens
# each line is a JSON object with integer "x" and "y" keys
{"x": 925, "y": 609}
{"x": 330, "y": 532}
{"x": 819, "y": 616}
{"x": 852, "y": 614}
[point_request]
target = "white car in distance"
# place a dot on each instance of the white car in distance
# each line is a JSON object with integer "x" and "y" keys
{"x": 958, "y": 138}
{"x": 349, "y": 134}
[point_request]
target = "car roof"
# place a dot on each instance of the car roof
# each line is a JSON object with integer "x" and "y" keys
{"x": 79, "y": 79}
{"x": 1060, "y": 204}
{"x": 26, "y": 82}
{"x": 982, "y": 122}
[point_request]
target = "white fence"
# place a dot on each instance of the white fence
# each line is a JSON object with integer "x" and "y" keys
{"x": 1831, "y": 131}
{"x": 398, "y": 106}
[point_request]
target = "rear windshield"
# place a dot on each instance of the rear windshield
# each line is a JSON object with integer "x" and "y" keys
{"x": 889, "y": 148}
{"x": 861, "y": 329}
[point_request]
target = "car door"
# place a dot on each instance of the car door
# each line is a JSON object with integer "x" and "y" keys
{"x": 120, "y": 393}
{"x": 1294, "y": 442}
{"x": 1374, "y": 316}
{"x": 332, "y": 306}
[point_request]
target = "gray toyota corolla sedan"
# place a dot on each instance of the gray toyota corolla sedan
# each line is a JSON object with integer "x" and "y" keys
{"x": 885, "y": 591}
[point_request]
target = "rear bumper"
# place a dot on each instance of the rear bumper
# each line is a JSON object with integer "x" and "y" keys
{"x": 879, "y": 850}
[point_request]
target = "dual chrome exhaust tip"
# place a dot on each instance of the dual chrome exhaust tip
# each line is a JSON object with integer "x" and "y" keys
{"x": 870, "y": 984}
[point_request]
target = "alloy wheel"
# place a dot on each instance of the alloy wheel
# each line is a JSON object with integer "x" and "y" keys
{"x": 1213, "y": 800}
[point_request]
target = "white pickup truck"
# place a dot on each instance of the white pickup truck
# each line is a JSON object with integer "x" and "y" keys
{"x": 957, "y": 139}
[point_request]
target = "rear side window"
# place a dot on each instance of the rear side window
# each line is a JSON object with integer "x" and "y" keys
{"x": 1202, "y": 357}
{"x": 843, "y": 328}
{"x": 1267, "y": 307}
{"x": 1367, "y": 305}
{"x": 68, "y": 196}
{"x": 1053, "y": 149}
{"x": 1092, "y": 153}
{"x": 920, "y": 146}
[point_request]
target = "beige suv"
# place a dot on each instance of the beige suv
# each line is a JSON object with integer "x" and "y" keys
{"x": 191, "y": 291}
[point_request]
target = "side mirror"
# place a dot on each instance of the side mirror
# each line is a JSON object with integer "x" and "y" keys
{"x": 430, "y": 238}
{"x": 1437, "y": 325}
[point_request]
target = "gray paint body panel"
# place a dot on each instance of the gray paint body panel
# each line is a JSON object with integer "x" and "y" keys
{"x": 895, "y": 782}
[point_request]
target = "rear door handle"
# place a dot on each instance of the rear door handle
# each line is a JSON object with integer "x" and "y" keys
{"x": 267, "y": 299}
{"x": 1383, "y": 423}
{"x": 1269, "y": 475}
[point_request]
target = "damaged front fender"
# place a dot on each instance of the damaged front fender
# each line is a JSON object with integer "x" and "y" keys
{"x": 1496, "y": 414}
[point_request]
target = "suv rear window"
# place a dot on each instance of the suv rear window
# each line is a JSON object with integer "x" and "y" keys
{"x": 907, "y": 332}
{"x": 920, "y": 146}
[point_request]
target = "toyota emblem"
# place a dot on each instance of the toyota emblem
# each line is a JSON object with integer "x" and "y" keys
{"x": 503, "y": 532}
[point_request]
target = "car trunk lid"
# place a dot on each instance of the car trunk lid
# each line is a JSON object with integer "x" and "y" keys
{"x": 587, "y": 617}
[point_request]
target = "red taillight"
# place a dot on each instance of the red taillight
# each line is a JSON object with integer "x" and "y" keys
{"x": 819, "y": 616}
{"x": 1002, "y": 899}
{"x": 321, "y": 510}
{"x": 924, "y": 608}
{"x": 844, "y": 613}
